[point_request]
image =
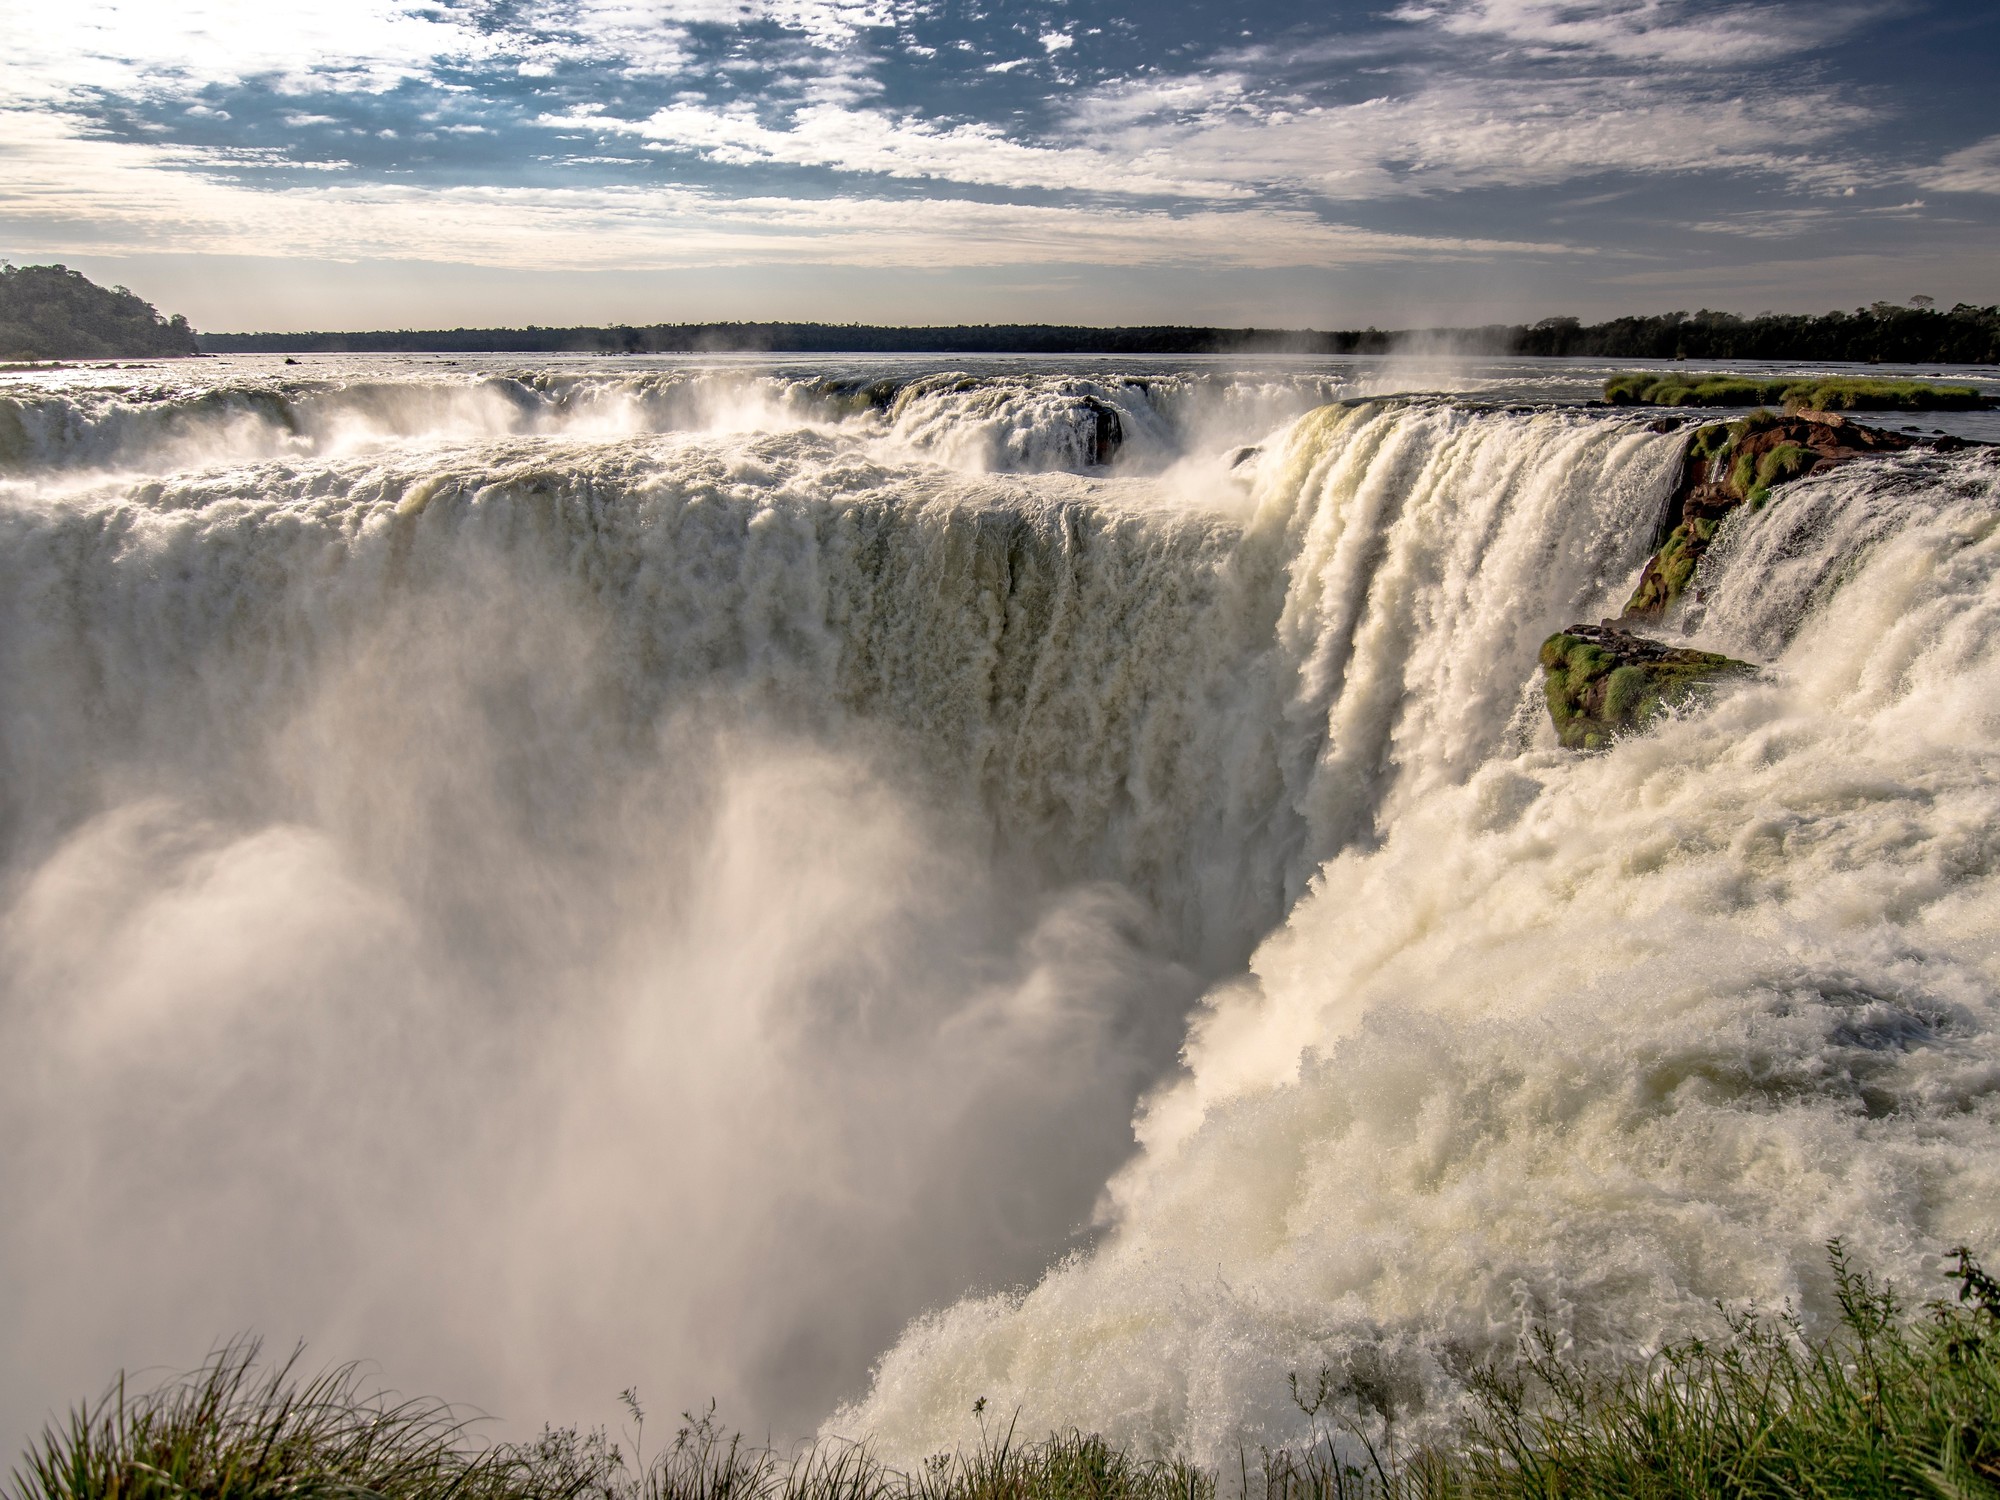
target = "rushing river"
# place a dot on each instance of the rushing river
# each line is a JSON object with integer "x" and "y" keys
{"x": 854, "y": 888}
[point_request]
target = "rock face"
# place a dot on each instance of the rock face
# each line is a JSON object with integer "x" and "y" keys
{"x": 1601, "y": 681}
{"x": 1107, "y": 432}
{"x": 1740, "y": 463}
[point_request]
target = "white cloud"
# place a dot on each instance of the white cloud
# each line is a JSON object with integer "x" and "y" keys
{"x": 1460, "y": 135}
{"x": 1646, "y": 31}
{"x": 1788, "y": 223}
{"x": 144, "y": 48}
{"x": 1502, "y": 94}
{"x": 1976, "y": 169}
{"x": 851, "y": 140}
{"x": 140, "y": 47}
{"x": 1768, "y": 224}
{"x": 60, "y": 193}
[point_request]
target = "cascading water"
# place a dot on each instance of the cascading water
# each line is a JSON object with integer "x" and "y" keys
{"x": 554, "y": 879}
{"x": 1587, "y": 1043}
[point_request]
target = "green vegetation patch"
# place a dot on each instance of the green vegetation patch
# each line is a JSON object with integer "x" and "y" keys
{"x": 1672, "y": 568}
{"x": 52, "y": 312}
{"x": 1796, "y": 393}
{"x": 1888, "y": 1403}
{"x": 1602, "y": 683}
{"x": 15, "y": 445}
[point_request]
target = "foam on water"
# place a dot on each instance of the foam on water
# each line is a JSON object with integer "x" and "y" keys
{"x": 553, "y": 879}
{"x": 111, "y": 422}
{"x": 1587, "y": 1042}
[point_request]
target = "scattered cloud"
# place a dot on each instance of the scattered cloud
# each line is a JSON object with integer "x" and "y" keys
{"x": 1976, "y": 169}
{"x": 1465, "y": 135}
{"x": 1694, "y": 33}
{"x": 854, "y": 122}
{"x": 870, "y": 141}
{"x": 116, "y": 200}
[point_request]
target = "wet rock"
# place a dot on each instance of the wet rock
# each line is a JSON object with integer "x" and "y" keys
{"x": 1740, "y": 463}
{"x": 1601, "y": 681}
{"x": 1109, "y": 435}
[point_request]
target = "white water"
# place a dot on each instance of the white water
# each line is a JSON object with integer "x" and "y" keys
{"x": 552, "y": 882}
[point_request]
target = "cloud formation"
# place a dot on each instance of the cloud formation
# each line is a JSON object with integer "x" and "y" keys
{"x": 850, "y": 129}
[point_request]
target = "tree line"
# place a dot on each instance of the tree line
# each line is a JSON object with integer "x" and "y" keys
{"x": 52, "y": 312}
{"x": 1887, "y": 333}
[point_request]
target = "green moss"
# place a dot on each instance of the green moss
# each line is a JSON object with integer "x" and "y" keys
{"x": 1784, "y": 462}
{"x": 1672, "y": 568}
{"x": 1624, "y": 691}
{"x": 1709, "y": 441}
{"x": 1595, "y": 693}
{"x": 1837, "y": 393}
{"x": 14, "y": 444}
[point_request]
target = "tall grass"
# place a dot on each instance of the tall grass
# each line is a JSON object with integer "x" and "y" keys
{"x": 234, "y": 1430}
{"x": 1887, "y": 1404}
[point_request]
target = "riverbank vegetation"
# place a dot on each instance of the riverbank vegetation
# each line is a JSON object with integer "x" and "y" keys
{"x": 1891, "y": 1402}
{"x": 1962, "y": 335}
{"x": 52, "y": 312}
{"x": 1794, "y": 393}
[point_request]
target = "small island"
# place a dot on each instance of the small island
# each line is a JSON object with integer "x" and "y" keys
{"x": 1792, "y": 392}
{"x": 52, "y": 312}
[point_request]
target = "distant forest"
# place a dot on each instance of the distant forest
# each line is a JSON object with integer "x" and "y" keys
{"x": 1885, "y": 332}
{"x": 52, "y": 312}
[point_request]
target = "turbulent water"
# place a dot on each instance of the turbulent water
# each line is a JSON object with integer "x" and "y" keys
{"x": 567, "y": 876}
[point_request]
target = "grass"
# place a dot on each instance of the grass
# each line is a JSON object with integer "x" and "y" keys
{"x": 1889, "y": 1403}
{"x": 1837, "y": 393}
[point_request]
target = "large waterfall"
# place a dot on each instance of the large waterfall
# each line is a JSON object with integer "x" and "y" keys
{"x": 556, "y": 878}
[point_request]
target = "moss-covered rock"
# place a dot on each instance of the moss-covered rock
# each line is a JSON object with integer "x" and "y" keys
{"x": 1601, "y": 682}
{"x": 1794, "y": 392}
{"x": 1731, "y": 464}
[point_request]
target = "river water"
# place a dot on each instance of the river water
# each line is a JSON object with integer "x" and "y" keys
{"x": 849, "y": 887}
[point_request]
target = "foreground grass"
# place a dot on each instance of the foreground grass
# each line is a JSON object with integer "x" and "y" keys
{"x": 1889, "y": 1404}
{"x": 1837, "y": 393}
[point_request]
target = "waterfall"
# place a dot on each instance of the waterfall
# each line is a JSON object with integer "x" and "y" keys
{"x": 1585, "y": 1045}
{"x": 553, "y": 879}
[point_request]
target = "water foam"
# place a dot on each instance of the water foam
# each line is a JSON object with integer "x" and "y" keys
{"x": 1586, "y": 1043}
{"x": 709, "y": 868}
{"x": 109, "y": 422}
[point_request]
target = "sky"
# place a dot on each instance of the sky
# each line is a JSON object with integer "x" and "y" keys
{"x": 345, "y": 164}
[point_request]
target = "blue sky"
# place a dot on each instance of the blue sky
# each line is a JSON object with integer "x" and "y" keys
{"x": 369, "y": 163}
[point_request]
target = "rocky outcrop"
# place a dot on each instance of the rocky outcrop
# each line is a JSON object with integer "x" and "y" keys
{"x": 1107, "y": 432}
{"x": 1601, "y": 681}
{"x": 1740, "y": 463}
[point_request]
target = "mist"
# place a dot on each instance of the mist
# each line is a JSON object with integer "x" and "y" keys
{"x": 460, "y": 1026}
